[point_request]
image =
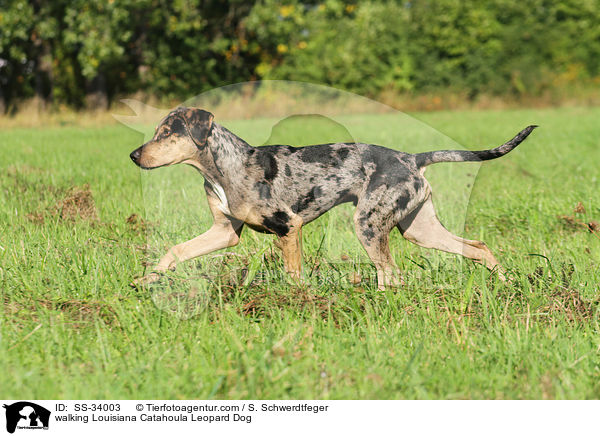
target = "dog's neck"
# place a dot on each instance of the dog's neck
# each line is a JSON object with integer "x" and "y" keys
{"x": 225, "y": 144}
{"x": 227, "y": 154}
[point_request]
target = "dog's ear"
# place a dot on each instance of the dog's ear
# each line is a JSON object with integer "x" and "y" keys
{"x": 198, "y": 124}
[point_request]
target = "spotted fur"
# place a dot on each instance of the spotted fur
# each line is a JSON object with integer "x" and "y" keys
{"x": 279, "y": 188}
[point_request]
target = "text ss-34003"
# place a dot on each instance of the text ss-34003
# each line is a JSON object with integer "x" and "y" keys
{"x": 97, "y": 407}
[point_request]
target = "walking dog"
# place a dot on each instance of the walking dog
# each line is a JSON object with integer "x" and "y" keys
{"x": 279, "y": 188}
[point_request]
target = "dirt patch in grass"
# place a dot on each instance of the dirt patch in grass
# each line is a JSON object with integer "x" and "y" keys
{"x": 137, "y": 224}
{"x": 569, "y": 303}
{"x": 569, "y": 222}
{"x": 68, "y": 204}
{"x": 251, "y": 301}
{"x": 573, "y": 223}
{"x": 260, "y": 304}
{"x": 269, "y": 293}
{"x": 76, "y": 203}
{"x": 563, "y": 298}
{"x": 77, "y": 313}
{"x": 579, "y": 208}
{"x": 225, "y": 279}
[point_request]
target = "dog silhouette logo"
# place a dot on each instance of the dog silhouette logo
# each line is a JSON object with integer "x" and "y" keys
{"x": 26, "y": 415}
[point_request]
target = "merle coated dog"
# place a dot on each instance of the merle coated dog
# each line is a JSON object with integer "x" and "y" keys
{"x": 277, "y": 189}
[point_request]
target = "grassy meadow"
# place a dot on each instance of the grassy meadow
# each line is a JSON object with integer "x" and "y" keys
{"x": 79, "y": 221}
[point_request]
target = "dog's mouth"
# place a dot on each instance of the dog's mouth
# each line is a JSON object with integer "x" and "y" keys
{"x": 147, "y": 168}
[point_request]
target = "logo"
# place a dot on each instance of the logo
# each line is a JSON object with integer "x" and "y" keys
{"x": 26, "y": 415}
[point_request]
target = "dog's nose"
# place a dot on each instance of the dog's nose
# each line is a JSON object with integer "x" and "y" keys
{"x": 135, "y": 154}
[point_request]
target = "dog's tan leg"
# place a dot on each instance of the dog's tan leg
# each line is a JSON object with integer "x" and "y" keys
{"x": 220, "y": 235}
{"x": 422, "y": 227}
{"x": 291, "y": 246}
{"x": 223, "y": 233}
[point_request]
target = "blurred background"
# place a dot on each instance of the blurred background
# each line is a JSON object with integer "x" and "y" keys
{"x": 414, "y": 55}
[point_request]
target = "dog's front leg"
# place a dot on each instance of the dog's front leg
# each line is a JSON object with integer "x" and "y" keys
{"x": 220, "y": 235}
{"x": 291, "y": 246}
{"x": 217, "y": 237}
{"x": 225, "y": 232}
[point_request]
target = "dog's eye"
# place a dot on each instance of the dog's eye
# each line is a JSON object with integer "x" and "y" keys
{"x": 165, "y": 131}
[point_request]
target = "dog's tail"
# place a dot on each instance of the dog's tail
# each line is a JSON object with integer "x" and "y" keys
{"x": 431, "y": 157}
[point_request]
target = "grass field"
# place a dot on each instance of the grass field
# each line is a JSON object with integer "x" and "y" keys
{"x": 78, "y": 223}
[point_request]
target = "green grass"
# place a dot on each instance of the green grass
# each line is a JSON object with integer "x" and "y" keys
{"x": 71, "y": 327}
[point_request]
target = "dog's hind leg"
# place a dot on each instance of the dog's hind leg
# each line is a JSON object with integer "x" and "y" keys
{"x": 422, "y": 227}
{"x": 374, "y": 237}
{"x": 224, "y": 233}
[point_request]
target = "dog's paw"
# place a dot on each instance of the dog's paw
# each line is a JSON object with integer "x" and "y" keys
{"x": 389, "y": 279}
{"x": 145, "y": 280}
{"x": 502, "y": 275}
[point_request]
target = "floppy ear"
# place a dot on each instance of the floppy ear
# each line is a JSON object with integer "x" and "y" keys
{"x": 198, "y": 124}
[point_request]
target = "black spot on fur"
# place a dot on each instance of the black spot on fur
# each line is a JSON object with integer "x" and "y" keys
{"x": 402, "y": 202}
{"x": 345, "y": 196}
{"x": 376, "y": 182}
{"x": 363, "y": 219}
{"x": 264, "y": 190}
{"x": 278, "y": 223}
{"x": 343, "y": 153}
{"x": 317, "y": 153}
{"x": 280, "y": 215}
{"x": 267, "y": 161}
{"x": 177, "y": 126}
{"x": 288, "y": 172}
{"x": 277, "y": 149}
{"x": 305, "y": 201}
{"x": 259, "y": 229}
{"x": 344, "y": 193}
{"x": 388, "y": 171}
{"x": 368, "y": 233}
{"x": 417, "y": 184}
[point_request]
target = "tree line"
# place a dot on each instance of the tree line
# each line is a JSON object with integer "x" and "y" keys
{"x": 85, "y": 53}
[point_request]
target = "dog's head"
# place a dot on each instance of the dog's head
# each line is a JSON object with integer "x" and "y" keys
{"x": 178, "y": 138}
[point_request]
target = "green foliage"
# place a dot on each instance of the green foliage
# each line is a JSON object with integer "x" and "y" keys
{"x": 356, "y": 48}
{"x": 171, "y": 49}
{"x": 179, "y": 49}
{"x": 494, "y": 47}
{"x": 16, "y": 26}
{"x": 97, "y": 31}
{"x": 456, "y": 44}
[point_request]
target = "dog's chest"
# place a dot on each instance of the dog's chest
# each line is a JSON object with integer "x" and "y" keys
{"x": 223, "y": 205}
